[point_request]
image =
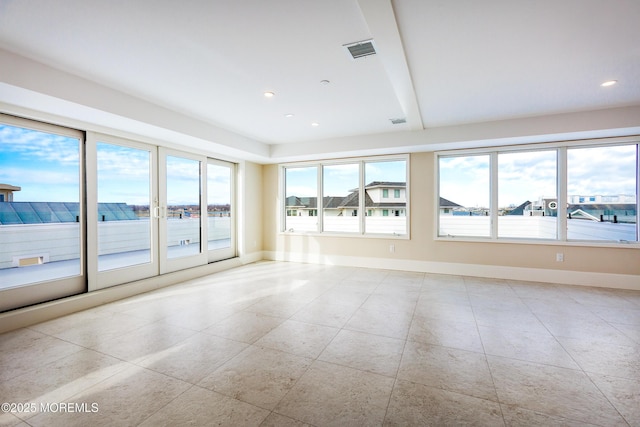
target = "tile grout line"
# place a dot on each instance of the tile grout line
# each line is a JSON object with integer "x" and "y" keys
{"x": 486, "y": 359}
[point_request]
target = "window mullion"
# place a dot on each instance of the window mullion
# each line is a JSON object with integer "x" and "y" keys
{"x": 562, "y": 194}
{"x": 637, "y": 191}
{"x": 361, "y": 199}
{"x": 320, "y": 199}
{"x": 283, "y": 191}
{"x": 493, "y": 192}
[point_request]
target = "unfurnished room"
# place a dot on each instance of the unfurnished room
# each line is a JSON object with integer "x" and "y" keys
{"x": 319, "y": 213}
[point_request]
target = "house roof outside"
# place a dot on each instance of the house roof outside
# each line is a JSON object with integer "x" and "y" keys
{"x": 386, "y": 184}
{"x": 56, "y": 212}
{"x": 9, "y": 187}
{"x": 604, "y": 206}
{"x": 353, "y": 200}
{"x": 519, "y": 210}
{"x": 445, "y": 203}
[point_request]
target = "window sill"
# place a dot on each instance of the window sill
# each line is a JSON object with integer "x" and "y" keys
{"x": 544, "y": 242}
{"x": 351, "y": 235}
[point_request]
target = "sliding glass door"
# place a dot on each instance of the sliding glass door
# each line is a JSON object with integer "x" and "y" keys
{"x": 124, "y": 215}
{"x": 182, "y": 229}
{"x": 221, "y": 236}
{"x": 79, "y": 216}
{"x": 42, "y": 216}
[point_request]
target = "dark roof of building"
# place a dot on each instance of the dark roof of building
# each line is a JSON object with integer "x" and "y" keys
{"x": 520, "y": 209}
{"x": 302, "y": 202}
{"x": 444, "y": 203}
{"x": 603, "y": 207}
{"x": 353, "y": 201}
{"x": 332, "y": 202}
{"x": 373, "y": 184}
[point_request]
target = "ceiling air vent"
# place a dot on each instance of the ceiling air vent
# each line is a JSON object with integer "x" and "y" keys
{"x": 361, "y": 49}
{"x": 398, "y": 121}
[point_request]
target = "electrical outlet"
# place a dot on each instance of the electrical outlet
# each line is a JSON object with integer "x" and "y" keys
{"x": 392, "y": 248}
{"x": 559, "y": 257}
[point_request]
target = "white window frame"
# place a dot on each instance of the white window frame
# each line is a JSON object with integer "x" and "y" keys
{"x": 561, "y": 177}
{"x": 362, "y": 217}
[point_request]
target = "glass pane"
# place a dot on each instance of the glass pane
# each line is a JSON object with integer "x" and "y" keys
{"x": 124, "y": 198}
{"x": 341, "y": 198}
{"x": 301, "y": 193}
{"x": 601, "y": 193}
{"x": 386, "y": 197}
{"x": 219, "y": 206}
{"x": 527, "y": 200}
{"x": 464, "y": 196}
{"x": 40, "y": 207}
{"x": 183, "y": 207}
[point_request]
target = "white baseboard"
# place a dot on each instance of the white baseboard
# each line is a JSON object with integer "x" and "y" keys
{"x": 31, "y": 315}
{"x": 582, "y": 278}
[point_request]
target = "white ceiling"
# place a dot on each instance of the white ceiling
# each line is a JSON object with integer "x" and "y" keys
{"x": 440, "y": 63}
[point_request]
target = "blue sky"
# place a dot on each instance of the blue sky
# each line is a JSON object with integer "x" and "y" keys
{"x": 340, "y": 179}
{"x": 530, "y": 175}
{"x": 46, "y": 167}
{"x": 123, "y": 175}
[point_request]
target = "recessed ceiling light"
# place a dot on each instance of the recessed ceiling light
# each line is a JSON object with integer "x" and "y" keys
{"x": 288, "y": 115}
{"x": 269, "y": 94}
{"x": 324, "y": 82}
{"x": 315, "y": 124}
{"x": 609, "y": 83}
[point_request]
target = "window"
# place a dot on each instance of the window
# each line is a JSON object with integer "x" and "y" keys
{"x": 80, "y": 215}
{"x": 527, "y": 200}
{"x": 301, "y": 198}
{"x": 388, "y": 174}
{"x": 220, "y": 205}
{"x": 347, "y": 188}
{"x": 341, "y": 199}
{"x": 464, "y": 187}
{"x": 124, "y": 198}
{"x": 42, "y": 215}
{"x": 183, "y": 206}
{"x": 514, "y": 192}
{"x": 601, "y": 193}
{"x": 42, "y": 171}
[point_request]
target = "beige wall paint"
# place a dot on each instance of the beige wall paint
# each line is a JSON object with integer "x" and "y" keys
{"x": 250, "y": 202}
{"x": 424, "y": 248}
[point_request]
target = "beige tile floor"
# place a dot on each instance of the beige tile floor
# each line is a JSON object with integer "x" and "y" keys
{"x": 285, "y": 344}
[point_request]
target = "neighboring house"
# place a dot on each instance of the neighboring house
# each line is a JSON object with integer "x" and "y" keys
{"x": 6, "y": 192}
{"x": 619, "y": 208}
{"x": 381, "y": 199}
{"x": 612, "y": 212}
{"x": 525, "y": 208}
{"x": 447, "y": 207}
{"x": 302, "y": 206}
